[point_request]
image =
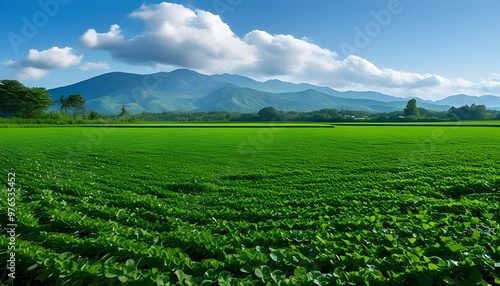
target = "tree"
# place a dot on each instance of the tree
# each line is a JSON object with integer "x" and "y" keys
{"x": 267, "y": 113}
{"x": 411, "y": 109}
{"x": 466, "y": 112}
{"x": 77, "y": 103}
{"x": 123, "y": 112}
{"x": 93, "y": 115}
{"x": 18, "y": 100}
{"x": 10, "y": 91}
{"x": 478, "y": 112}
{"x": 64, "y": 103}
{"x": 35, "y": 102}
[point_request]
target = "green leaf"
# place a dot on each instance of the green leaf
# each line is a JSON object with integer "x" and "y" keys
{"x": 476, "y": 234}
{"x": 190, "y": 280}
{"x": 455, "y": 247}
{"x": 246, "y": 269}
{"x": 225, "y": 277}
{"x": 412, "y": 240}
{"x": 44, "y": 275}
{"x": 258, "y": 273}
{"x": 438, "y": 260}
{"x": 180, "y": 275}
{"x": 263, "y": 272}
{"x": 278, "y": 276}
{"x": 130, "y": 263}
{"x": 321, "y": 239}
{"x": 433, "y": 266}
{"x": 366, "y": 259}
{"x": 318, "y": 278}
{"x": 33, "y": 266}
{"x": 448, "y": 280}
{"x": 122, "y": 278}
{"x": 109, "y": 275}
{"x": 488, "y": 215}
{"x": 389, "y": 236}
{"x": 160, "y": 281}
{"x": 211, "y": 275}
{"x": 300, "y": 271}
{"x": 475, "y": 276}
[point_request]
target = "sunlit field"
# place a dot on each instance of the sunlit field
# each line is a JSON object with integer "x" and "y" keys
{"x": 348, "y": 205}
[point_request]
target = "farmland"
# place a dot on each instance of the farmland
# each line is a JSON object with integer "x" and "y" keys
{"x": 350, "y": 205}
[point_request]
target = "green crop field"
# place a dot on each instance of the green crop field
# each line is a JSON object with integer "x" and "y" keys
{"x": 350, "y": 205}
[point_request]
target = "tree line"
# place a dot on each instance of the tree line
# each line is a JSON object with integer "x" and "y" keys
{"x": 74, "y": 103}
{"x": 18, "y": 101}
{"x": 411, "y": 113}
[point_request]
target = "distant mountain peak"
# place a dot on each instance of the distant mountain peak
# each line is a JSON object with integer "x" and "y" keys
{"x": 184, "y": 72}
{"x": 188, "y": 90}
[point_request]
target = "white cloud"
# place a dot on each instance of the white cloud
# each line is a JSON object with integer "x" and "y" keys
{"x": 31, "y": 73}
{"x": 175, "y": 35}
{"x": 284, "y": 54}
{"x": 94, "y": 66}
{"x": 38, "y": 63}
{"x": 52, "y": 58}
{"x": 92, "y": 39}
{"x": 8, "y": 63}
{"x": 491, "y": 84}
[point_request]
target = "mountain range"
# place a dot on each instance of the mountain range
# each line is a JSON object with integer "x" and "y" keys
{"x": 187, "y": 90}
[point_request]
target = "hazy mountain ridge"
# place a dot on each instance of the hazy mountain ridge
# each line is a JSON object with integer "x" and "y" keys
{"x": 490, "y": 101}
{"x": 187, "y": 90}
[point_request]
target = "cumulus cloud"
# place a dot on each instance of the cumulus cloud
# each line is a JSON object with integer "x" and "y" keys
{"x": 94, "y": 66}
{"x": 491, "y": 84}
{"x": 175, "y": 35}
{"x": 31, "y": 73}
{"x": 38, "y": 63}
{"x": 284, "y": 54}
{"x": 52, "y": 58}
{"x": 108, "y": 40}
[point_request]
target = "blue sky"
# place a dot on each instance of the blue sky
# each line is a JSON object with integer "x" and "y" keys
{"x": 423, "y": 48}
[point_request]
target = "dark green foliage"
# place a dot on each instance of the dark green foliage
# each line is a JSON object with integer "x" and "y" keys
{"x": 466, "y": 112}
{"x": 10, "y": 92}
{"x": 412, "y": 109}
{"x": 64, "y": 103}
{"x": 94, "y": 115}
{"x": 123, "y": 111}
{"x": 76, "y": 103}
{"x": 334, "y": 206}
{"x": 268, "y": 113}
{"x": 18, "y": 100}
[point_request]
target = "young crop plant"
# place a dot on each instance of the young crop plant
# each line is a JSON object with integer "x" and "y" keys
{"x": 354, "y": 205}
